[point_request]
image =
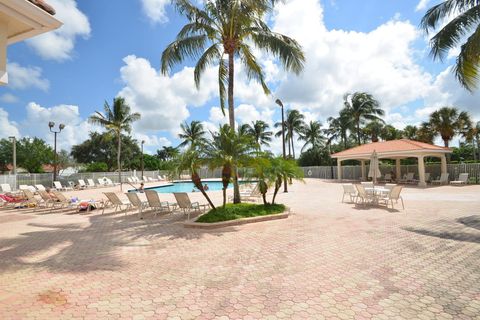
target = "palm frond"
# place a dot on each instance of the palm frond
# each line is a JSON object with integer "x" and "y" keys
{"x": 254, "y": 70}
{"x": 180, "y": 49}
{"x": 209, "y": 57}
{"x": 468, "y": 62}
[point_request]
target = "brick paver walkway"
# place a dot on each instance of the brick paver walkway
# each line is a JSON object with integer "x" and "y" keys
{"x": 328, "y": 260}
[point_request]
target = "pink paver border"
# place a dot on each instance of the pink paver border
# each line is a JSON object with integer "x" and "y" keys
{"x": 215, "y": 225}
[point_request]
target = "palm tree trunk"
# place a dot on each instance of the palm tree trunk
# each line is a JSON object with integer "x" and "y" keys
{"x": 293, "y": 146}
{"x": 358, "y": 133}
{"x": 197, "y": 181}
{"x": 231, "y": 80}
{"x": 119, "y": 164}
{"x": 231, "y": 118}
{"x": 278, "y": 184}
{"x": 289, "y": 148}
{"x": 226, "y": 176}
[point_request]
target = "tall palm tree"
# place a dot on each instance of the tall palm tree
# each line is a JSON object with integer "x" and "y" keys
{"x": 373, "y": 130}
{"x": 338, "y": 128}
{"x": 294, "y": 124}
{"x": 448, "y": 122}
{"x": 229, "y": 150}
{"x": 463, "y": 29}
{"x": 192, "y": 134}
{"x": 117, "y": 119}
{"x": 361, "y": 106}
{"x": 222, "y": 30}
{"x": 313, "y": 136}
{"x": 260, "y": 133}
{"x": 425, "y": 133}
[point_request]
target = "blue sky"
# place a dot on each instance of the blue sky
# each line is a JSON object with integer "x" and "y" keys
{"x": 111, "y": 47}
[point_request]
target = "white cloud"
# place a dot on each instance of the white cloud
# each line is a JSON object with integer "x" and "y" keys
{"x": 422, "y": 5}
{"x": 21, "y": 77}
{"x": 7, "y": 127}
{"x": 36, "y": 124}
{"x": 155, "y": 10}
{"x": 381, "y": 62}
{"x": 59, "y": 44}
{"x": 8, "y": 98}
{"x": 162, "y": 100}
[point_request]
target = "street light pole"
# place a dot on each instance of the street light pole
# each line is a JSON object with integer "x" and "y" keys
{"x": 279, "y": 102}
{"x": 14, "y": 145}
{"x": 143, "y": 142}
{"x": 61, "y": 126}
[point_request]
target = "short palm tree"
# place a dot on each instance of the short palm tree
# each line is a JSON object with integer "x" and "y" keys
{"x": 260, "y": 133}
{"x": 279, "y": 171}
{"x": 117, "y": 119}
{"x": 338, "y": 128}
{"x": 448, "y": 122}
{"x": 361, "y": 106}
{"x": 192, "y": 134}
{"x": 463, "y": 30}
{"x": 312, "y": 134}
{"x": 222, "y": 30}
{"x": 229, "y": 150}
{"x": 191, "y": 160}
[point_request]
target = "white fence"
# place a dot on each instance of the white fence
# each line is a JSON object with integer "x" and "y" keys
{"x": 355, "y": 172}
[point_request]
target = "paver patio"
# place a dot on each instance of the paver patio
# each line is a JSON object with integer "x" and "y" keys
{"x": 328, "y": 260}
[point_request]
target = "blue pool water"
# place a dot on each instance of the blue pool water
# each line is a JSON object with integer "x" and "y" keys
{"x": 187, "y": 187}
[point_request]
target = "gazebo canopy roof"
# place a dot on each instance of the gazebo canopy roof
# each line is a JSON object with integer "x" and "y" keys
{"x": 394, "y": 149}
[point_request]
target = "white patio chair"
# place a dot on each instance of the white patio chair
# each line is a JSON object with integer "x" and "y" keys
{"x": 349, "y": 189}
{"x": 393, "y": 195}
{"x": 363, "y": 195}
{"x": 388, "y": 177}
{"x": 408, "y": 178}
{"x": 462, "y": 179}
{"x": 82, "y": 184}
{"x": 442, "y": 180}
{"x": 389, "y": 186}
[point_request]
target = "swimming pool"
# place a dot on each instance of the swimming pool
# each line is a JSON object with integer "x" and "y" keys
{"x": 186, "y": 186}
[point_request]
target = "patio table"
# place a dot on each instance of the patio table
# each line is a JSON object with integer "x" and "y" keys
{"x": 377, "y": 192}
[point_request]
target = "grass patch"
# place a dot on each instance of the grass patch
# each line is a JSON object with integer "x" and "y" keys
{"x": 239, "y": 211}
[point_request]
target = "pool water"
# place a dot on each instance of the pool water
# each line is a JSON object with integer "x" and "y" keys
{"x": 188, "y": 187}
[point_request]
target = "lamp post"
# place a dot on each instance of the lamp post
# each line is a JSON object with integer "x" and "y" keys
{"x": 279, "y": 102}
{"x": 141, "y": 159}
{"x": 61, "y": 126}
{"x": 14, "y": 145}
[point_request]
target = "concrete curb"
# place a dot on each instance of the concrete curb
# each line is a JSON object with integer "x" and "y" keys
{"x": 206, "y": 226}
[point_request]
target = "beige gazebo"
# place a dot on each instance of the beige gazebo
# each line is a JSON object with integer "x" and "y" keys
{"x": 21, "y": 20}
{"x": 397, "y": 150}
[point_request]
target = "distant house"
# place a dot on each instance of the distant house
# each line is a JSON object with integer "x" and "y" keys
{"x": 21, "y": 20}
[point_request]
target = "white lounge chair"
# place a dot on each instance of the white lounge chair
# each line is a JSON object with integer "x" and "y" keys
{"x": 184, "y": 203}
{"x": 6, "y": 187}
{"x": 349, "y": 190}
{"x": 442, "y": 180}
{"x": 252, "y": 195}
{"x": 82, "y": 184}
{"x": 59, "y": 187}
{"x": 91, "y": 183}
{"x": 129, "y": 180}
{"x": 40, "y": 187}
{"x": 157, "y": 205}
{"x": 394, "y": 194}
{"x": 27, "y": 187}
{"x": 136, "y": 202}
{"x": 151, "y": 179}
{"x": 161, "y": 178}
{"x": 462, "y": 179}
{"x": 115, "y": 201}
{"x": 408, "y": 178}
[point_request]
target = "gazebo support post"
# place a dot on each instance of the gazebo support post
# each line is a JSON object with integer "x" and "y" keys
{"x": 443, "y": 158}
{"x": 364, "y": 175}
{"x": 421, "y": 172}
{"x": 398, "y": 169}
{"x": 339, "y": 169}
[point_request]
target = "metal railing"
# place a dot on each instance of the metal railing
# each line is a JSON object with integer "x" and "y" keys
{"x": 355, "y": 172}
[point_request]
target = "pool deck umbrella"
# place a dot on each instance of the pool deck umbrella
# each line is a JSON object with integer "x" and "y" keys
{"x": 374, "y": 170}
{"x": 395, "y": 150}
{"x": 21, "y": 20}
